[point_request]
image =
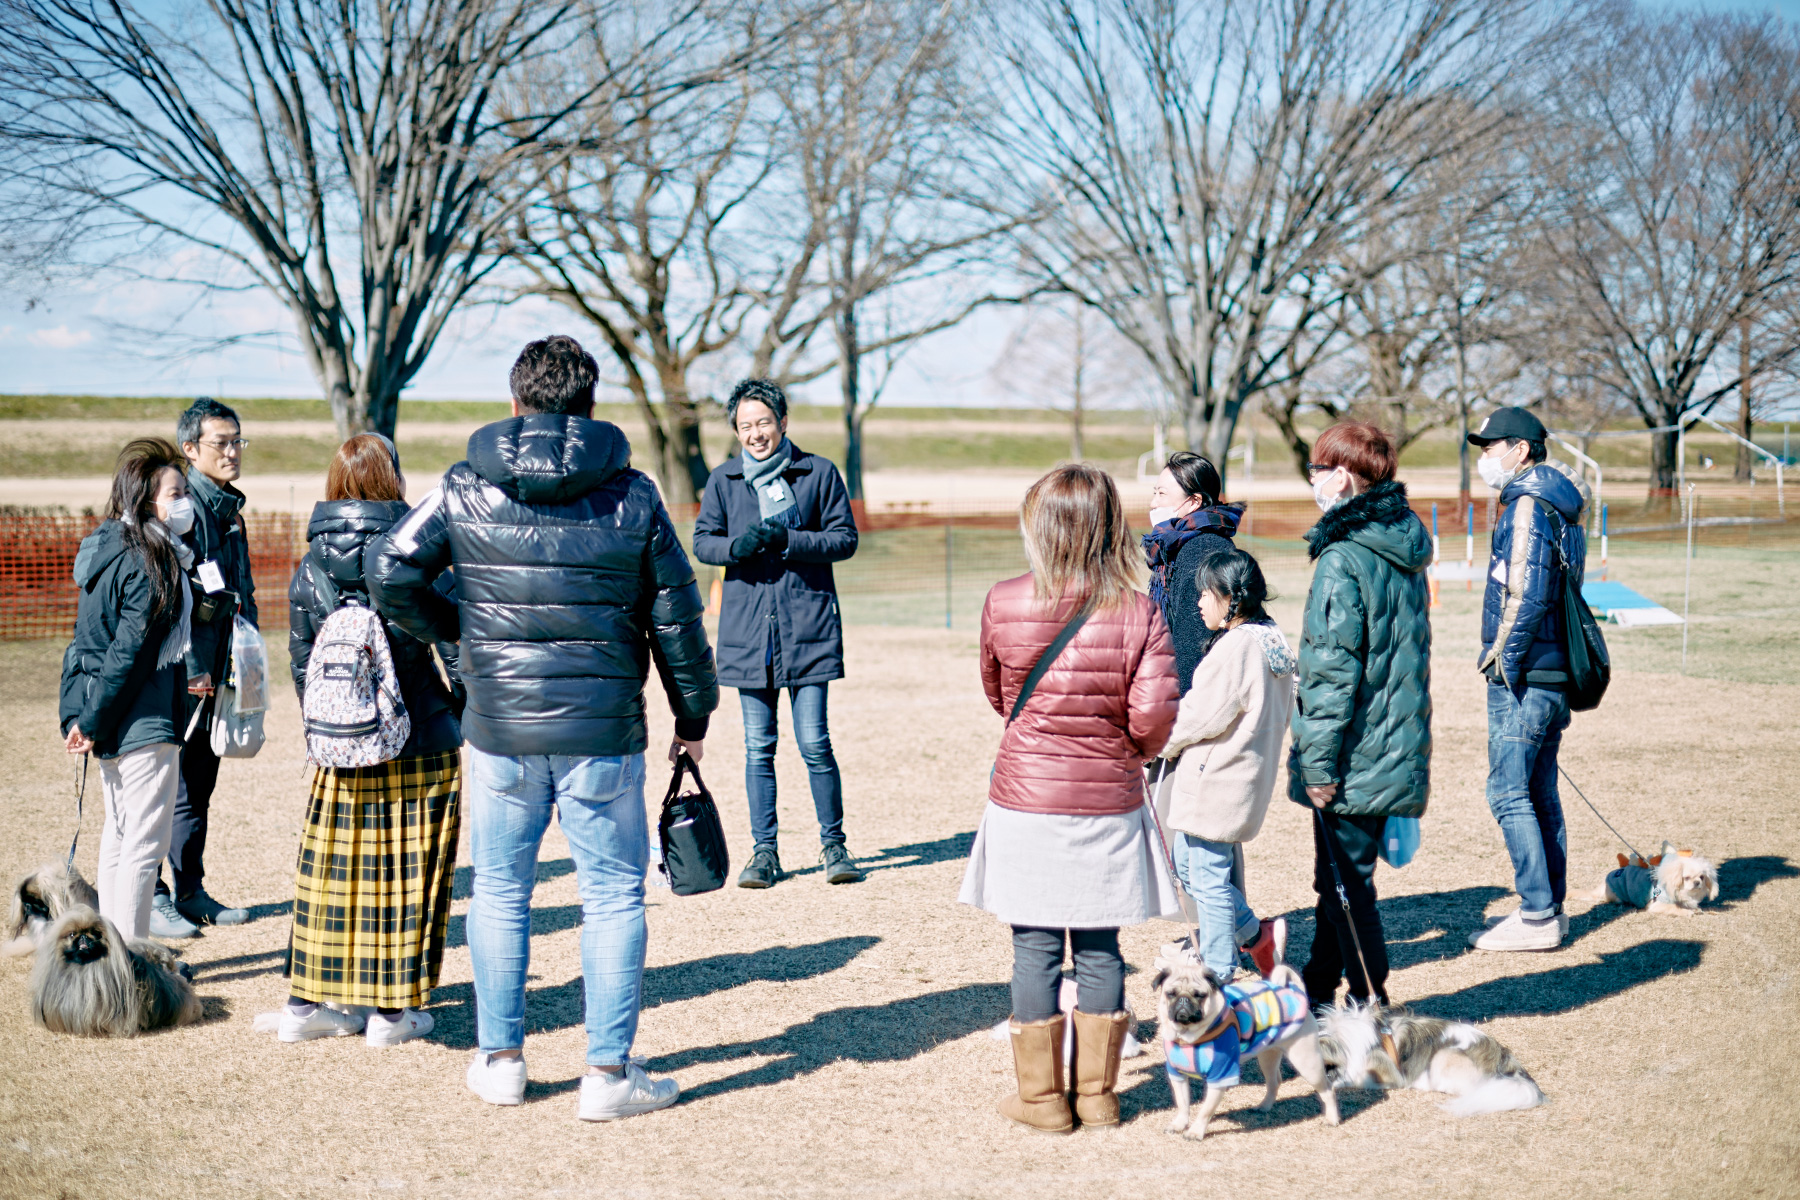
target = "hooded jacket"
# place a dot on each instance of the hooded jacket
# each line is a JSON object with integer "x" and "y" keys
{"x": 218, "y": 536}
{"x": 1363, "y": 717}
{"x": 1181, "y": 599}
{"x": 111, "y": 684}
{"x": 779, "y": 617}
{"x": 1105, "y": 706}
{"x": 1228, "y": 733}
{"x": 332, "y": 571}
{"x": 1521, "y": 610}
{"x": 569, "y": 581}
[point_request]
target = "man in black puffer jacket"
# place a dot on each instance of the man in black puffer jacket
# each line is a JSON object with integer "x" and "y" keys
{"x": 570, "y": 581}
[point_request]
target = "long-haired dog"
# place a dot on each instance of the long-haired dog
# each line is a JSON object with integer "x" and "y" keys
{"x": 1207, "y": 1028}
{"x": 1675, "y": 881}
{"x": 38, "y": 900}
{"x": 1426, "y": 1055}
{"x": 90, "y": 981}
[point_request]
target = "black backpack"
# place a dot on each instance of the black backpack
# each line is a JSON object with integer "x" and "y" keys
{"x": 1590, "y": 666}
{"x": 693, "y": 841}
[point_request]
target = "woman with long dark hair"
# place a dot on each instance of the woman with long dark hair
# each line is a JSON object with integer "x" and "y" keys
{"x": 124, "y": 681}
{"x": 378, "y": 851}
{"x": 1187, "y": 523}
{"x": 1066, "y": 853}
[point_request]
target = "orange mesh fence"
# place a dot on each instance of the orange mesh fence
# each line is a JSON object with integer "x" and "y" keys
{"x": 37, "y": 569}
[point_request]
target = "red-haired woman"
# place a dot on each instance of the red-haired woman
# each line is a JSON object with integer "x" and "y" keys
{"x": 124, "y": 683}
{"x": 378, "y": 853}
{"x": 1362, "y": 726}
{"x": 1067, "y": 851}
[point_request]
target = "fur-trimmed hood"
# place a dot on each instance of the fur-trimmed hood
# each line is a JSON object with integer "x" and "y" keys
{"x": 1379, "y": 518}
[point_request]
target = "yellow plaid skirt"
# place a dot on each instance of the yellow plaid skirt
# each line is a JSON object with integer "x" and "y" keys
{"x": 373, "y": 882}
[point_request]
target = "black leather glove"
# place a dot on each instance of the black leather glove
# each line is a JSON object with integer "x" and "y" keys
{"x": 750, "y": 543}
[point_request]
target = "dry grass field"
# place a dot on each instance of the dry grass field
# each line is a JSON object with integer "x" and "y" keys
{"x": 833, "y": 1041}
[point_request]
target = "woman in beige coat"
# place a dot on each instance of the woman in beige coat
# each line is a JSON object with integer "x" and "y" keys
{"x": 1227, "y": 743}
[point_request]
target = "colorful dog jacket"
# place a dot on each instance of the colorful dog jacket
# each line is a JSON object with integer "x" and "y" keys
{"x": 1265, "y": 1014}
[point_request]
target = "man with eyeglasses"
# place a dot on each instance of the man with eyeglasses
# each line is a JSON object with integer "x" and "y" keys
{"x": 210, "y": 436}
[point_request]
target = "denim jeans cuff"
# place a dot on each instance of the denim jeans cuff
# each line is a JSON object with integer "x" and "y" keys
{"x": 1248, "y": 932}
{"x": 1529, "y": 914}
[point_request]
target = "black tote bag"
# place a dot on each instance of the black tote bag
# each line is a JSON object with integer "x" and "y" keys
{"x": 1590, "y": 666}
{"x": 693, "y": 841}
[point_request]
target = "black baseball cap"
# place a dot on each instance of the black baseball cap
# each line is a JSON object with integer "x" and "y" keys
{"x": 1509, "y": 422}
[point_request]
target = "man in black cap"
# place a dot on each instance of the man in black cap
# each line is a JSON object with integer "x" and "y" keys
{"x": 1526, "y": 663}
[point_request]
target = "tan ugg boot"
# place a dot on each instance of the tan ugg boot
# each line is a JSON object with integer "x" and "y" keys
{"x": 1042, "y": 1102}
{"x": 1099, "y": 1039}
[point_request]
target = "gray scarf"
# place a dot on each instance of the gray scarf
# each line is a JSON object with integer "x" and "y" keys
{"x": 179, "y": 639}
{"x": 773, "y": 494}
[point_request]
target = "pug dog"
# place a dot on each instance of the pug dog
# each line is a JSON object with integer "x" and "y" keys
{"x": 38, "y": 900}
{"x": 1208, "y": 1028}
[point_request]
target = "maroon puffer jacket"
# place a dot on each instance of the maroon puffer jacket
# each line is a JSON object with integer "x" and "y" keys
{"x": 1102, "y": 709}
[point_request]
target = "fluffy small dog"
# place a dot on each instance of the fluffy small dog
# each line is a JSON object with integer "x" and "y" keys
{"x": 1675, "y": 881}
{"x": 1427, "y": 1055}
{"x": 1207, "y": 1028}
{"x": 89, "y": 981}
{"x": 38, "y": 900}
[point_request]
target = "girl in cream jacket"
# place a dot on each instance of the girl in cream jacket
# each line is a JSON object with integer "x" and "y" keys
{"x": 1227, "y": 747}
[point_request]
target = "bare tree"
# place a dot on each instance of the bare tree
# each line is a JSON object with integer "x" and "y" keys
{"x": 1060, "y": 350}
{"x": 635, "y": 230}
{"x": 1210, "y": 161}
{"x": 876, "y": 129}
{"x": 352, "y": 160}
{"x": 1671, "y": 159}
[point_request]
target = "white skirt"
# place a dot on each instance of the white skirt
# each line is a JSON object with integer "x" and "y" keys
{"x": 1049, "y": 871}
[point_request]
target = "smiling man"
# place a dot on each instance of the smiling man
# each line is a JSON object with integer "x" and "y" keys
{"x": 213, "y": 442}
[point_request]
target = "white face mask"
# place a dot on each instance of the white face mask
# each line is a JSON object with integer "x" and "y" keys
{"x": 1494, "y": 472}
{"x": 181, "y": 516}
{"x": 1159, "y": 515}
{"x": 1324, "y": 497}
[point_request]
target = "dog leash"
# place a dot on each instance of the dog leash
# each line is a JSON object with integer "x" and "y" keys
{"x": 1331, "y": 853}
{"x": 1598, "y": 813}
{"x": 80, "y": 795}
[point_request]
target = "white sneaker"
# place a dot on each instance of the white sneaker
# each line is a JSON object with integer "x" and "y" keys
{"x": 1562, "y": 923}
{"x": 609, "y": 1097}
{"x": 498, "y": 1081}
{"x": 407, "y": 1024}
{"x": 1514, "y": 933}
{"x": 321, "y": 1022}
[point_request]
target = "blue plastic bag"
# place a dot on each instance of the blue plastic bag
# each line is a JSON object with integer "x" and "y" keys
{"x": 1399, "y": 840}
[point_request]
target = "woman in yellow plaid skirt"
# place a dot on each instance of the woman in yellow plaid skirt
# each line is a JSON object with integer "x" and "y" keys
{"x": 378, "y": 855}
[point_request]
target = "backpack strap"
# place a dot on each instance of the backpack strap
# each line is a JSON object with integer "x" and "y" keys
{"x": 1039, "y": 668}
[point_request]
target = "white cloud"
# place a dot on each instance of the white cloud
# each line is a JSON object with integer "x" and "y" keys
{"x": 60, "y": 338}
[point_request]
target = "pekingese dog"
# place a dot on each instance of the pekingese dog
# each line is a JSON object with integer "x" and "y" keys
{"x": 89, "y": 981}
{"x": 1427, "y": 1055}
{"x": 38, "y": 900}
{"x": 1207, "y": 1028}
{"x": 1675, "y": 881}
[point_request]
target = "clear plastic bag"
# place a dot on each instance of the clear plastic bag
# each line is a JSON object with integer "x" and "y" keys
{"x": 249, "y": 669}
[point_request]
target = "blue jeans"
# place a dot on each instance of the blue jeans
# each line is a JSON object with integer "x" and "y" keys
{"x": 600, "y": 802}
{"x": 761, "y": 730}
{"x": 1524, "y": 733}
{"x": 1226, "y": 921}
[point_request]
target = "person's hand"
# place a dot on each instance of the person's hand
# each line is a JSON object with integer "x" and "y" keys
{"x": 775, "y": 535}
{"x": 77, "y": 742}
{"x": 750, "y": 543}
{"x": 694, "y": 749}
{"x": 1322, "y": 794}
{"x": 201, "y": 685}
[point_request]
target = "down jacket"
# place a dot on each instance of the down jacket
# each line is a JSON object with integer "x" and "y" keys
{"x": 1363, "y": 718}
{"x": 1521, "y": 611}
{"x": 569, "y": 581}
{"x": 1078, "y": 747}
{"x": 779, "y": 615}
{"x": 332, "y": 571}
{"x": 111, "y": 684}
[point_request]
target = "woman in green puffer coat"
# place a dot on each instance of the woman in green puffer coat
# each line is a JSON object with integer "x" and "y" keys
{"x": 1362, "y": 723}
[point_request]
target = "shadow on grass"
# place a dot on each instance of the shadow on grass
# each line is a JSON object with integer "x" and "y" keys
{"x": 1152, "y": 1095}
{"x": 1740, "y": 877}
{"x": 561, "y": 1006}
{"x": 891, "y": 1032}
{"x": 1565, "y": 989}
{"x": 271, "y": 960}
{"x": 921, "y": 854}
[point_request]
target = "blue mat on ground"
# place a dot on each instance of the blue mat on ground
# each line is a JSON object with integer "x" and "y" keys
{"x": 1604, "y": 597}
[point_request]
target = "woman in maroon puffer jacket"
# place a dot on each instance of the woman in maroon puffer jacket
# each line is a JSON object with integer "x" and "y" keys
{"x": 1066, "y": 846}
